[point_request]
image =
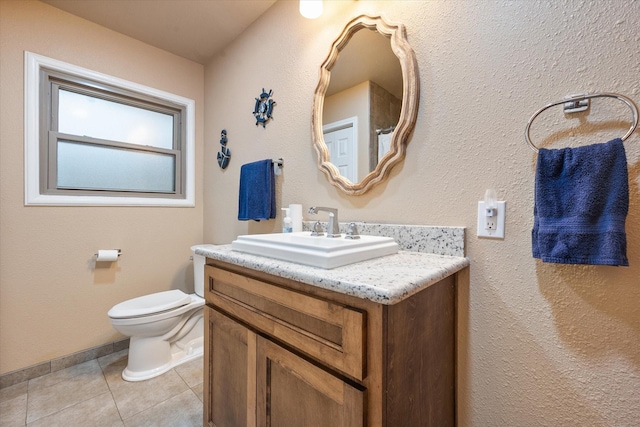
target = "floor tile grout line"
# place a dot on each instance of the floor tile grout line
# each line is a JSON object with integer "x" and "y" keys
{"x": 62, "y": 380}
{"x": 122, "y": 344}
{"x": 114, "y": 398}
{"x": 102, "y": 374}
{"x": 26, "y": 407}
{"x": 66, "y": 407}
{"x": 116, "y": 406}
{"x": 163, "y": 401}
{"x": 111, "y": 392}
{"x": 69, "y": 407}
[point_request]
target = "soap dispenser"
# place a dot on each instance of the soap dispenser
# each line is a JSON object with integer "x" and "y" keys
{"x": 286, "y": 222}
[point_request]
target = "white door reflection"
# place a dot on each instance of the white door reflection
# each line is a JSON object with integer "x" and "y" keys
{"x": 341, "y": 139}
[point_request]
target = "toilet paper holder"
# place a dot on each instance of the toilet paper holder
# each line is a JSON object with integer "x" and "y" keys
{"x": 108, "y": 254}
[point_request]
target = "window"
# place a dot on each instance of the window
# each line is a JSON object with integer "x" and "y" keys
{"x": 93, "y": 139}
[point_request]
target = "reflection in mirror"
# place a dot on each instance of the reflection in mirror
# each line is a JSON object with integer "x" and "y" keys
{"x": 362, "y": 104}
{"x": 365, "y": 104}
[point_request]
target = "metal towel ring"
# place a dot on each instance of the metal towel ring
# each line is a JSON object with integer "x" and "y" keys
{"x": 575, "y": 100}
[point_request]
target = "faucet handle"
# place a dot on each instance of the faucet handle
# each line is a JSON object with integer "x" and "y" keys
{"x": 317, "y": 229}
{"x": 352, "y": 231}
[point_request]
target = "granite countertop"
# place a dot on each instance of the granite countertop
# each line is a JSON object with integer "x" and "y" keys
{"x": 387, "y": 280}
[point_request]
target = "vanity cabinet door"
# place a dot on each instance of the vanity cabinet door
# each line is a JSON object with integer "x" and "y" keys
{"x": 294, "y": 392}
{"x": 229, "y": 372}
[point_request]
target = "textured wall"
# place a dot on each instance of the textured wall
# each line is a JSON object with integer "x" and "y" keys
{"x": 52, "y": 303}
{"x": 539, "y": 344}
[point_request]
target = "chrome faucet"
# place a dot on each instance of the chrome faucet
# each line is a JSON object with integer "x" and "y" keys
{"x": 333, "y": 230}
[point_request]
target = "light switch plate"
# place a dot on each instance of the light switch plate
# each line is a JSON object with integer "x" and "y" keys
{"x": 498, "y": 232}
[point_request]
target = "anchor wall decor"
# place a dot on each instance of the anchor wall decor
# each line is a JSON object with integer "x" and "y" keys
{"x": 224, "y": 155}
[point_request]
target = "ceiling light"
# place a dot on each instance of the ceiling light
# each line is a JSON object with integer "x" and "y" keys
{"x": 311, "y": 9}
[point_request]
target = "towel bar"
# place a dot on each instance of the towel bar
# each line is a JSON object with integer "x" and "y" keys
{"x": 382, "y": 131}
{"x": 576, "y": 99}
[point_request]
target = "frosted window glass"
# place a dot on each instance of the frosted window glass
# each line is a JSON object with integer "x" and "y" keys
{"x": 91, "y": 167}
{"x": 97, "y": 118}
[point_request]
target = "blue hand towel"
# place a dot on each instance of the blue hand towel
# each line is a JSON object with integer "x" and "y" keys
{"x": 257, "y": 199}
{"x": 581, "y": 204}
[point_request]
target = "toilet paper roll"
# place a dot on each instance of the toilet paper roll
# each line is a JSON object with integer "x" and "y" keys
{"x": 295, "y": 213}
{"x": 107, "y": 255}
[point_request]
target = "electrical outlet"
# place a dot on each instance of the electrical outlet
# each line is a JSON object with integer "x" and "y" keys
{"x": 491, "y": 226}
{"x": 491, "y": 222}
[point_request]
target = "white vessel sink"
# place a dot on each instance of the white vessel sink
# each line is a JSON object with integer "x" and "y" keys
{"x": 316, "y": 251}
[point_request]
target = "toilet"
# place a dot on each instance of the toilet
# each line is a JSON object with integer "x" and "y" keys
{"x": 166, "y": 328}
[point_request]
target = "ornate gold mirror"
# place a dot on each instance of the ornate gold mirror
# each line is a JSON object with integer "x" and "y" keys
{"x": 365, "y": 104}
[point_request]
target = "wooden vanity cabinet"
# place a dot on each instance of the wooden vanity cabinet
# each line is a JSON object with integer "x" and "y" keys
{"x": 281, "y": 353}
{"x": 228, "y": 372}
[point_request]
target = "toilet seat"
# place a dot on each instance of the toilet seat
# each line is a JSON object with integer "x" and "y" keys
{"x": 195, "y": 302}
{"x": 150, "y": 304}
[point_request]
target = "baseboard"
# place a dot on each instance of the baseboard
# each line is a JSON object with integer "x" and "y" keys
{"x": 25, "y": 374}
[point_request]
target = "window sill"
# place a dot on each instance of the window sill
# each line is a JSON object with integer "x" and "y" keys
{"x": 50, "y": 200}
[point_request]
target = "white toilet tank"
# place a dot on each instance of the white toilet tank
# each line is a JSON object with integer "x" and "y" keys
{"x": 198, "y": 273}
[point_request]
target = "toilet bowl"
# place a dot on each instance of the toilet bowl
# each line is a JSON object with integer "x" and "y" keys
{"x": 166, "y": 328}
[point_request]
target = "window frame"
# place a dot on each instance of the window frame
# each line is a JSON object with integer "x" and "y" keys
{"x": 40, "y": 136}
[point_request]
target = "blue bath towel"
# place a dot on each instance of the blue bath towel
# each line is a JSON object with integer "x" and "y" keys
{"x": 257, "y": 199}
{"x": 581, "y": 204}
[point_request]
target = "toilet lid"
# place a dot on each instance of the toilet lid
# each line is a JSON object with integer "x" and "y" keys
{"x": 150, "y": 304}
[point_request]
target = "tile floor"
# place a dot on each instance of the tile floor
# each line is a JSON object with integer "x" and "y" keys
{"x": 94, "y": 394}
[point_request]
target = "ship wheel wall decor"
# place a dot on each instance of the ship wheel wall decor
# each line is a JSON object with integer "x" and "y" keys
{"x": 263, "y": 109}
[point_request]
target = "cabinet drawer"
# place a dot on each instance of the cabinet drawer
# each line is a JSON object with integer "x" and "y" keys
{"x": 329, "y": 332}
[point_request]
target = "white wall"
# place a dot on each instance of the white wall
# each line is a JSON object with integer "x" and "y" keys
{"x": 352, "y": 102}
{"x": 539, "y": 344}
{"x": 52, "y": 301}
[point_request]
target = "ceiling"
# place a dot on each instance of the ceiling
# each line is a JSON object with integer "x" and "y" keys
{"x": 367, "y": 56}
{"x": 193, "y": 29}
{"x": 198, "y": 29}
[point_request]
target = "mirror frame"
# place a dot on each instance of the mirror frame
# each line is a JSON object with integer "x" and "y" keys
{"x": 409, "y": 110}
